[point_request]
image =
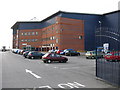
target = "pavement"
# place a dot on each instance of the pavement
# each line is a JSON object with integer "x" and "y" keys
{"x": 78, "y": 72}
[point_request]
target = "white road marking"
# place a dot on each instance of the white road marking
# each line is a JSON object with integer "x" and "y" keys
{"x": 70, "y": 68}
{"x": 71, "y": 85}
{"x": 55, "y": 67}
{"x": 46, "y": 87}
{"x": 28, "y": 71}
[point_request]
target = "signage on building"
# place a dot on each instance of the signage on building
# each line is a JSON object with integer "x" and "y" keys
{"x": 24, "y": 43}
{"x": 106, "y": 47}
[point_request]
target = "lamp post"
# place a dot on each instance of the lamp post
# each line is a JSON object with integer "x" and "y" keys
{"x": 100, "y": 32}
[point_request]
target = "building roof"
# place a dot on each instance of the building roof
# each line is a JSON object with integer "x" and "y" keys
{"x": 111, "y": 12}
{"x": 18, "y": 22}
{"x": 57, "y": 13}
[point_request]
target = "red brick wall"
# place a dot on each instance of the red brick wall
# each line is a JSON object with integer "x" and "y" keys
{"x": 65, "y": 30}
{"x": 33, "y": 44}
{"x": 70, "y": 30}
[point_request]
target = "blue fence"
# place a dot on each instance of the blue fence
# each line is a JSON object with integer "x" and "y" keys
{"x": 108, "y": 68}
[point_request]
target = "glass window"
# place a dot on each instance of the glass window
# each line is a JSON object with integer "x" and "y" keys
{"x": 36, "y": 33}
{"x": 33, "y": 33}
{"x": 29, "y": 40}
{"x": 25, "y": 33}
{"x": 53, "y": 38}
{"x": 56, "y": 40}
{"x": 56, "y": 30}
{"x": 80, "y": 37}
{"x": 22, "y": 33}
{"x": 28, "y": 33}
{"x": 32, "y": 40}
{"x": 25, "y": 40}
{"x": 35, "y": 39}
{"x": 22, "y": 40}
{"x": 50, "y": 38}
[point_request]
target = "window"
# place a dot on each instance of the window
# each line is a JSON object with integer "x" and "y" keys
{"x": 22, "y": 34}
{"x": 22, "y": 40}
{"x": 36, "y": 33}
{"x": 80, "y": 37}
{"x": 50, "y": 38}
{"x": 25, "y": 33}
{"x": 35, "y": 40}
{"x": 56, "y": 30}
{"x": 28, "y": 33}
{"x": 32, "y": 40}
{"x": 52, "y": 28}
{"x": 56, "y": 40}
{"x": 53, "y": 37}
{"x": 29, "y": 40}
{"x": 25, "y": 40}
{"x": 33, "y": 33}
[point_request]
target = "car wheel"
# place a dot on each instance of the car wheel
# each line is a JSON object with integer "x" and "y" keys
{"x": 40, "y": 57}
{"x": 44, "y": 61}
{"x": 87, "y": 58}
{"x": 32, "y": 57}
{"x": 49, "y": 61}
{"x": 64, "y": 61}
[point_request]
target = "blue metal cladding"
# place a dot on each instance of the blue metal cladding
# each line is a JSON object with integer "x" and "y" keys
{"x": 90, "y": 25}
{"x": 110, "y": 30}
{"x": 25, "y": 26}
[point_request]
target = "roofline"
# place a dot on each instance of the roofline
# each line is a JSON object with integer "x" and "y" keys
{"x": 111, "y": 12}
{"x": 18, "y": 22}
{"x": 59, "y": 12}
{"x": 79, "y": 13}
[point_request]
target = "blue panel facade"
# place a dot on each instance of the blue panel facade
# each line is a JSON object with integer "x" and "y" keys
{"x": 26, "y": 26}
{"x": 90, "y": 25}
{"x": 110, "y": 33}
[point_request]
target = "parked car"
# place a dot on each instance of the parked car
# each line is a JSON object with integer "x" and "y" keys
{"x": 50, "y": 57}
{"x": 18, "y": 51}
{"x": 92, "y": 55}
{"x": 64, "y": 51}
{"x": 72, "y": 53}
{"x": 34, "y": 54}
{"x": 58, "y": 51}
{"x": 15, "y": 51}
{"x": 51, "y": 51}
{"x": 113, "y": 56}
{"x": 25, "y": 54}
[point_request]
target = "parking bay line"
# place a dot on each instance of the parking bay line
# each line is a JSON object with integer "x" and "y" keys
{"x": 70, "y": 68}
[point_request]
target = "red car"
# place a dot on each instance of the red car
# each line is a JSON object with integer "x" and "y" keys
{"x": 113, "y": 56}
{"x": 58, "y": 51}
{"x": 50, "y": 57}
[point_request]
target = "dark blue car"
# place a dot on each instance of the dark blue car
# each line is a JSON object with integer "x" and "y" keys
{"x": 34, "y": 54}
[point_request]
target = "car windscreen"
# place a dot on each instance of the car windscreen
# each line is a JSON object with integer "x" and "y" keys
{"x": 46, "y": 55}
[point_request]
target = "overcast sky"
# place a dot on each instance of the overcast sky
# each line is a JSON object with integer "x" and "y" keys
{"x": 12, "y": 11}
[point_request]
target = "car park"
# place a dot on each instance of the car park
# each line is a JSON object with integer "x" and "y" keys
{"x": 53, "y": 57}
{"x": 34, "y": 54}
{"x": 113, "y": 56}
{"x": 92, "y": 55}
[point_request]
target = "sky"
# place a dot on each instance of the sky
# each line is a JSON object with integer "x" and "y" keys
{"x": 12, "y": 11}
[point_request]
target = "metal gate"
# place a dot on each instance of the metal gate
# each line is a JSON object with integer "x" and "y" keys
{"x": 108, "y": 67}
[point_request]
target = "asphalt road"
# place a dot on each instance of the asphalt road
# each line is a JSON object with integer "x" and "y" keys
{"x": 78, "y": 72}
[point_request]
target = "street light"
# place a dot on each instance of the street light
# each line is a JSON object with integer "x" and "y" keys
{"x": 100, "y": 32}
